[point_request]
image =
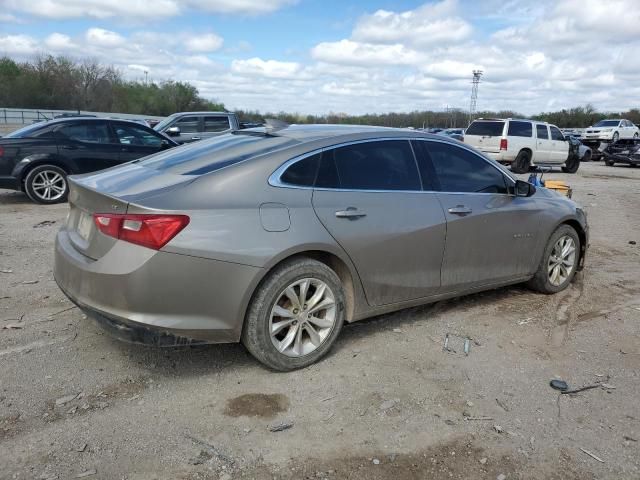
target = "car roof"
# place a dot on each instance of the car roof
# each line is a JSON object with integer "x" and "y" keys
{"x": 313, "y": 132}
{"x": 88, "y": 119}
{"x": 177, "y": 114}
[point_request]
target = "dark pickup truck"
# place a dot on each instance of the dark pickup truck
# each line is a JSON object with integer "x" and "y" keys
{"x": 37, "y": 159}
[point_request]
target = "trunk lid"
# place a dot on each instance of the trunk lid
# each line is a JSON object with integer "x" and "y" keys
{"x": 485, "y": 135}
{"x": 111, "y": 191}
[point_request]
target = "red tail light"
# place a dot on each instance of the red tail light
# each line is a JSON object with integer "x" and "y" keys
{"x": 151, "y": 231}
{"x": 503, "y": 144}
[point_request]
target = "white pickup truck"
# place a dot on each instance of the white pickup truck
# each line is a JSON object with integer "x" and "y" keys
{"x": 521, "y": 143}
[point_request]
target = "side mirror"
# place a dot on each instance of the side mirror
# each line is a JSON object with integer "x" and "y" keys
{"x": 173, "y": 131}
{"x": 524, "y": 189}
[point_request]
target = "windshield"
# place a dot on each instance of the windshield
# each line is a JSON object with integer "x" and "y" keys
{"x": 607, "y": 123}
{"x": 485, "y": 128}
{"x": 27, "y": 131}
{"x": 164, "y": 123}
{"x": 209, "y": 155}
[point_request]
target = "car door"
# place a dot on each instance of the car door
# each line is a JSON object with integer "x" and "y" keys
{"x": 88, "y": 145}
{"x": 215, "y": 125}
{"x": 136, "y": 141}
{"x": 190, "y": 129}
{"x": 543, "y": 145}
{"x": 490, "y": 232}
{"x": 559, "y": 146}
{"x": 368, "y": 196}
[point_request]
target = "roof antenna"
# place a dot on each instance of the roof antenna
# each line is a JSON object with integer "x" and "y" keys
{"x": 273, "y": 125}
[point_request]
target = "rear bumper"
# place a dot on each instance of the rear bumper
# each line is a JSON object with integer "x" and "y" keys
{"x": 10, "y": 183}
{"x": 158, "y": 298}
{"x": 498, "y": 156}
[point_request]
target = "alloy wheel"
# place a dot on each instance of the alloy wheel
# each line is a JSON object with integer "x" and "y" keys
{"x": 49, "y": 185}
{"x": 302, "y": 317}
{"x": 562, "y": 260}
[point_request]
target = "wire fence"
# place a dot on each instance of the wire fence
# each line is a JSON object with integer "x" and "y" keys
{"x": 16, "y": 116}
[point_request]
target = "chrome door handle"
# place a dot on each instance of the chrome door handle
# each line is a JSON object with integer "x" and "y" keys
{"x": 350, "y": 213}
{"x": 195, "y": 138}
{"x": 460, "y": 210}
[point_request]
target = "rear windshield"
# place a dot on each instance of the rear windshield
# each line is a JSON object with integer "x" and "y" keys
{"x": 208, "y": 155}
{"x": 27, "y": 131}
{"x": 607, "y": 123}
{"x": 486, "y": 128}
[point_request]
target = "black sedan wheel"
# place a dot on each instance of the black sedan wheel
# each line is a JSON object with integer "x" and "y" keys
{"x": 47, "y": 184}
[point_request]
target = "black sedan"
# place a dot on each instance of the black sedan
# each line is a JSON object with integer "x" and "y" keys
{"x": 37, "y": 159}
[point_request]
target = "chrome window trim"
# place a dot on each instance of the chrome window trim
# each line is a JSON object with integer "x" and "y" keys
{"x": 275, "y": 180}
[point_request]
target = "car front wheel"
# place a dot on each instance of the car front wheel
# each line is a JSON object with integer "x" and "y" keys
{"x": 46, "y": 184}
{"x": 559, "y": 262}
{"x": 295, "y": 315}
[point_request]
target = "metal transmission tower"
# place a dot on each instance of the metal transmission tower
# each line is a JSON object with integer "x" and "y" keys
{"x": 474, "y": 93}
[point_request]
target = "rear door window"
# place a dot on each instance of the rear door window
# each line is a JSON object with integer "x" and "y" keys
{"x": 542, "y": 132}
{"x": 89, "y": 132}
{"x": 216, "y": 124}
{"x": 303, "y": 172}
{"x": 378, "y": 165}
{"x": 458, "y": 170}
{"x": 486, "y": 128}
{"x": 520, "y": 129}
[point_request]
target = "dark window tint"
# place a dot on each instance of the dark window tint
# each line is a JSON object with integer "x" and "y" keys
{"x": 302, "y": 172}
{"x": 187, "y": 124}
{"x": 486, "y": 128}
{"x": 381, "y": 165}
{"x": 520, "y": 129}
{"x": 216, "y": 124}
{"x": 556, "y": 134}
{"x": 542, "y": 132}
{"x": 132, "y": 135}
{"x": 92, "y": 132}
{"x": 459, "y": 170}
{"x": 424, "y": 165}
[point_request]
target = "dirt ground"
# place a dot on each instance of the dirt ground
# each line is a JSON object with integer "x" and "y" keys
{"x": 388, "y": 402}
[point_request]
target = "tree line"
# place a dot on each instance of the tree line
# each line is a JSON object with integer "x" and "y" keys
{"x": 60, "y": 83}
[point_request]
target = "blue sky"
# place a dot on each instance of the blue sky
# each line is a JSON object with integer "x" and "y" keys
{"x": 314, "y": 56}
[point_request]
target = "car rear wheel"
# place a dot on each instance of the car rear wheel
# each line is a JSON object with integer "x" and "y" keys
{"x": 47, "y": 184}
{"x": 559, "y": 261}
{"x": 521, "y": 163}
{"x": 295, "y": 315}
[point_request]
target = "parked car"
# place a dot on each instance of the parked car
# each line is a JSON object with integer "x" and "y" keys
{"x": 576, "y": 147}
{"x": 611, "y": 131}
{"x": 186, "y": 127}
{"x": 623, "y": 151}
{"x": 275, "y": 238}
{"x": 37, "y": 159}
{"x": 456, "y": 133}
{"x": 521, "y": 143}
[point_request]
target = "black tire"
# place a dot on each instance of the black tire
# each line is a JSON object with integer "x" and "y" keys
{"x": 635, "y": 136}
{"x": 522, "y": 162}
{"x": 609, "y": 162}
{"x": 34, "y": 190}
{"x": 256, "y": 332}
{"x": 540, "y": 281}
{"x": 587, "y": 157}
{"x": 571, "y": 165}
{"x": 615, "y": 138}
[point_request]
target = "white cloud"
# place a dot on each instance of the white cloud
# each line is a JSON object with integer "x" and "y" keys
{"x": 59, "y": 42}
{"x": 209, "y": 42}
{"x": 349, "y": 52}
{"x": 133, "y": 10}
{"x": 266, "y": 68}
{"x": 430, "y": 24}
{"x": 104, "y": 38}
{"x": 18, "y": 45}
{"x": 100, "y": 9}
